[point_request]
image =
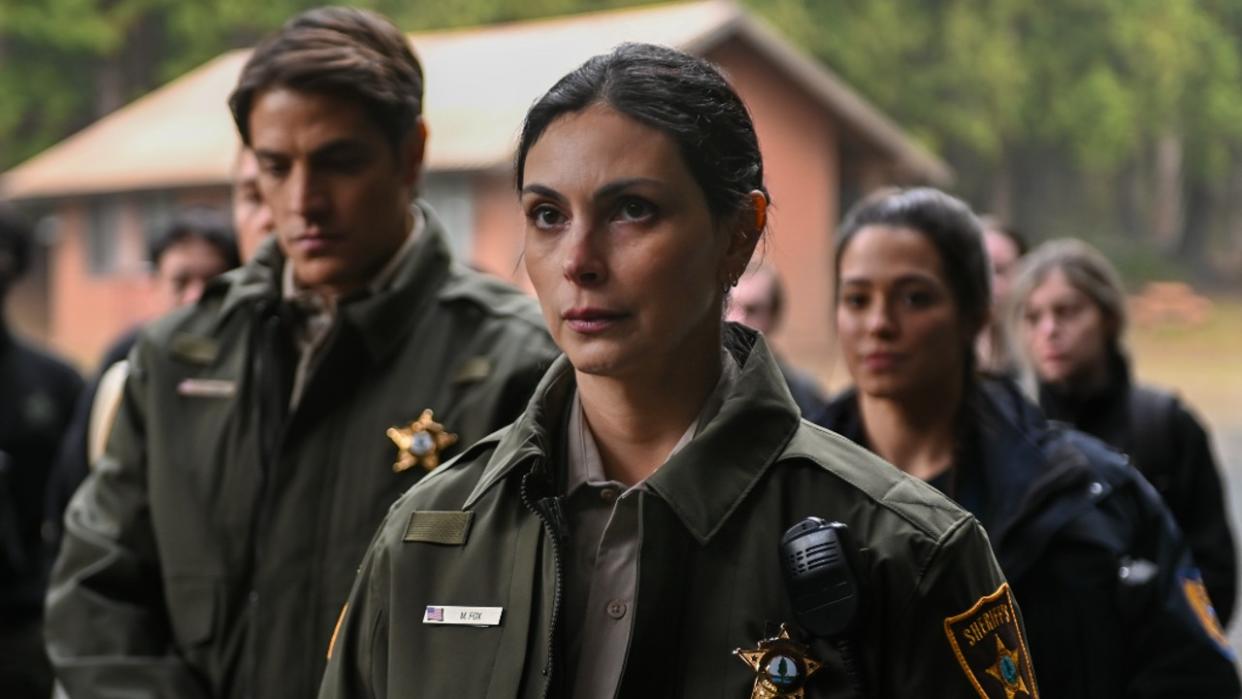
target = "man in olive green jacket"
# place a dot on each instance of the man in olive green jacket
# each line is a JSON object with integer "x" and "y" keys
{"x": 264, "y": 432}
{"x": 462, "y": 591}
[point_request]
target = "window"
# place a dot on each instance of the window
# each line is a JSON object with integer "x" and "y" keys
{"x": 157, "y": 210}
{"x": 103, "y": 236}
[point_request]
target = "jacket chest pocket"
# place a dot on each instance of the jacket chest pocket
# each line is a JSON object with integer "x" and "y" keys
{"x": 203, "y": 474}
{"x": 493, "y": 661}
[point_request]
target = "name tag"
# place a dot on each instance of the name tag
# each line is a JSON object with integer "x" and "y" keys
{"x": 463, "y": 616}
{"x": 207, "y": 388}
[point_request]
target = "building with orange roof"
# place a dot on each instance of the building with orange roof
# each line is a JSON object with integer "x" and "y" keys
{"x": 100, "y": 193}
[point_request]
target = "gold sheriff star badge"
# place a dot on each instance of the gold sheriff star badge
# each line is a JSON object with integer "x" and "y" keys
{"x": 420, "y": 443}
{"x": 1006, "y": 670}
{"x": 781, "y": 666}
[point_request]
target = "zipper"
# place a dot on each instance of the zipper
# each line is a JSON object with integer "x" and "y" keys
{"x": 548, "y": 510}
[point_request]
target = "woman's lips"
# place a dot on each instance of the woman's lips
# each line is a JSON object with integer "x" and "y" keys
{"x": 881, "y": 361}
{"x": 590, "y": 321}
{"x": 1054, "y": 359}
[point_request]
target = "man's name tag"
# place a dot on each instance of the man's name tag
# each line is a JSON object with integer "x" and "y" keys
{"x": 463, "y": 616}
{"x": 207, "y": 388}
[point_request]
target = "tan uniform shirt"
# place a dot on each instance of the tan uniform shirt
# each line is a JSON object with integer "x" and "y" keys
{"x": 606, "y": 538}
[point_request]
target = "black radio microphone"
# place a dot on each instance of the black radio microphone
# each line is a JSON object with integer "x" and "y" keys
{"x": 815, "y": 557}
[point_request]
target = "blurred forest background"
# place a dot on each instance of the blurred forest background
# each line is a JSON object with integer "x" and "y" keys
{"x": 1119, "y": 121}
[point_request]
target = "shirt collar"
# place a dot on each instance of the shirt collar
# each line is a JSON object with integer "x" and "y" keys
{"x": 582, "y": 452}
{"x": 712, "y": 474}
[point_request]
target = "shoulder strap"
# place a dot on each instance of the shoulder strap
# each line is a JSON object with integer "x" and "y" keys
{"x": 1151, "y": 427}
{"x": 104, "y": 408}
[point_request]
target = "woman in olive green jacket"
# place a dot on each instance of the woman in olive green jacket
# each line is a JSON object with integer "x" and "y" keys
{"x": 623, "y": 537}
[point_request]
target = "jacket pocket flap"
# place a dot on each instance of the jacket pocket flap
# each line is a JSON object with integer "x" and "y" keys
{"x": 192, "y": 608}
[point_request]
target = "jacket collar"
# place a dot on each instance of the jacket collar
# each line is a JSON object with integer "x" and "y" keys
{"x": 1025, "y": 467}
{"x": 712, "y": 475}
{"x": 381, "y": 319}
{"x": 1020, "y": 461}
{"x": 1093, "y": 406}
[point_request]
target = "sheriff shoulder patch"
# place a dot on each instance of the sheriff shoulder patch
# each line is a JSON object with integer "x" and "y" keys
{"x": 1197, "y": 596}
{"x": 991, "y": 648}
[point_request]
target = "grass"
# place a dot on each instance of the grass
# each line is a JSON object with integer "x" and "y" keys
{"x": 1202, "y": 362}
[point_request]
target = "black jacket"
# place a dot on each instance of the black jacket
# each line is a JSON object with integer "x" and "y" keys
{"x": 1110, "y": 596}
{"x": 1170, "y": 447}
{"x": 72, "y": 462}
{"x": 37, "y": 392}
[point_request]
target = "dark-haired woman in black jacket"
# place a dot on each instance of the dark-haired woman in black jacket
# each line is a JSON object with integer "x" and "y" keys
{"x": 1113, "y": 603}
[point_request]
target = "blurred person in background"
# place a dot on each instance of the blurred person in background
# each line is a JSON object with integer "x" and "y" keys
{"x": 264, "y": 431}
{"x": 1005, "y": 247}
{"x": 37, "y": 394}
{"x": 252, "y": 217}
{"x": 195, "y": 247}
{"x": 1107, "y": 587}
{"x": 1069, "y": 315}
{"x": 758, "y": 302}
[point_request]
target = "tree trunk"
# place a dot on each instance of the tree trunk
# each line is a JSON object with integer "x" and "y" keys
{"x": 1000, "y": 199}
{"x": 1168, "y": 210}
{"x": 1131, "y": 200}
{"x": 1192, "y": 244}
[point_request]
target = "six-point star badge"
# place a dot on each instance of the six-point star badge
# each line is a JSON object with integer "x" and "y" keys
{"x": 781, "y": 667}
{"x": 420, "y": 443}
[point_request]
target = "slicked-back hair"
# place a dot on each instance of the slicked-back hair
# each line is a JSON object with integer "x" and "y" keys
{"x": 345, "y": 52}
{"x": 947, "y": 223}
{"x": 680, "y": 95}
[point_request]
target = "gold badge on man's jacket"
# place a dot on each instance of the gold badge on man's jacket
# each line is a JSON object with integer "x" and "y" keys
{"x": 781, "y": 666}
{"x": 420, "y": 443}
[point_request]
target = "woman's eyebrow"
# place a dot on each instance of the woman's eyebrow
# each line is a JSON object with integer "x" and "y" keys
{"x": 617, "y": 186}
{"x": 543, "y": 191}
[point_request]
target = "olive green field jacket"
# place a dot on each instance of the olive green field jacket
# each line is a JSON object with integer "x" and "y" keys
{"x": 210, "y": 550}
{"x": 483, "y": 532}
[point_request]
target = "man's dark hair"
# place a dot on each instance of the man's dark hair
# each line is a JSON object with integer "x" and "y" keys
{"x": 15, "y": 235}
{"x": 680, "y": 95}
{"x": 340, "y": 51}
{"x": 208, "y": 225}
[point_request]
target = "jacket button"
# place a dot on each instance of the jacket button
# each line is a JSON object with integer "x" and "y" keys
{"x": 616, "y": 609}
{"x": 608, "y": 494}
{"x": 1095, "y": 488}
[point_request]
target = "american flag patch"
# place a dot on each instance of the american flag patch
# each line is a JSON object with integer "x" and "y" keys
{"x": 463, "y": 616}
